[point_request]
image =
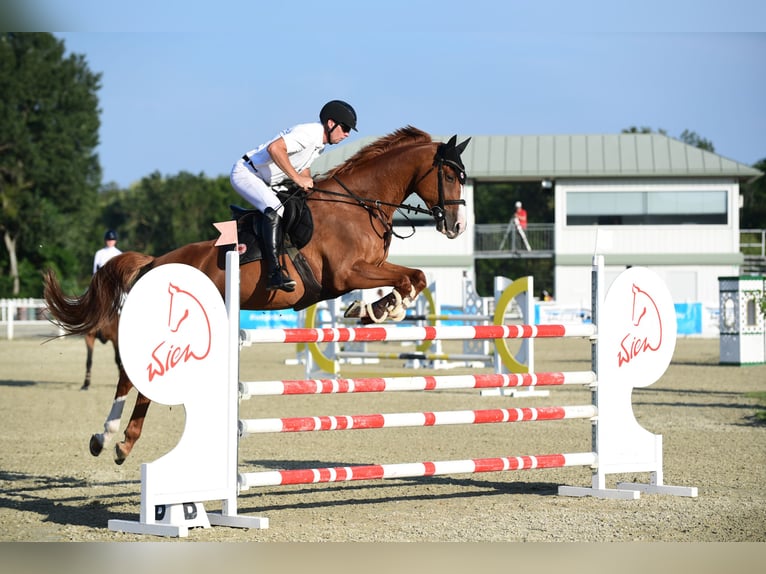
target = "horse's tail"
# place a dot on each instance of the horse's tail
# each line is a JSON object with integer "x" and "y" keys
{"x": 99, "y": 306}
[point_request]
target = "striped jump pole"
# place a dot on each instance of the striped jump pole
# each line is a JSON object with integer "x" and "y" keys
{"x": 379, "y": 421}
{"x": 419, "y": 383}
{"x": 407, "y": 470}
{"x": 420, "y": 317}
{"x": 426, "y": 333}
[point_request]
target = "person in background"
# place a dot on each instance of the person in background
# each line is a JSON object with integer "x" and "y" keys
{"x": 287, "y": 156}
{"x": 108, "y": 251}
{"x": 521, "y": 215}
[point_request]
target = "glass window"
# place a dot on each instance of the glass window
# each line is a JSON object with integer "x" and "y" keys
{"x": 647, "y": 207}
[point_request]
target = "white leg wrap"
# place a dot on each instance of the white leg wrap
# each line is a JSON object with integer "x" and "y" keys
{"x": 394, "y": 312}
{"x": 406, "y": 302}
{"x": 112, "y": 424}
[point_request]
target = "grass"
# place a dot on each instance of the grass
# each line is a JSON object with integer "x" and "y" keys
{"x": 760, "y": 416}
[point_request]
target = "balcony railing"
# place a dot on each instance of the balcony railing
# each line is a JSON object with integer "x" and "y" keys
{"x": 500, "y": 240}
{"x": 752, "y": 244}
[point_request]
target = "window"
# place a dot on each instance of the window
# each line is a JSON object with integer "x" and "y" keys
{"x": 647, "y": 208}
{"x": 752, "y": 317}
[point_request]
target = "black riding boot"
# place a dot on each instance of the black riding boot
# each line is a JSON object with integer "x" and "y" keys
{"x": 278, "y": 278}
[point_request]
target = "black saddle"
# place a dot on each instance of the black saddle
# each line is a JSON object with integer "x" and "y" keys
{"x": 297, "y": 226}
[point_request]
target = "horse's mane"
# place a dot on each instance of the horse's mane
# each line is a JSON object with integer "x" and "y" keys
{"x": 402, "y": 136}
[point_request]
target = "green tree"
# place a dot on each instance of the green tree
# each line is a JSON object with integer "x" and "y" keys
{"x": 49, "y": 172}
{"x": 687, "y": 136}
{"x": 693, "y": 139}
{"x": 643, "y": 130}
{"x": 160, "y": 214}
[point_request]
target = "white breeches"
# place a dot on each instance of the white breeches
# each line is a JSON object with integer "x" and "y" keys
{"x": 253, "y": 188}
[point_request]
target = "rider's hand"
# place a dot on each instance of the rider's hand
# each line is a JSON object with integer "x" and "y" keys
{"x": 305, "y": 182}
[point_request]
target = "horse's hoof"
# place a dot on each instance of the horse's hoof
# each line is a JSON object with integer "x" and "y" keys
{"x": 85, "y": 386}
{"x": 354, "y": 310}
{"x": 119, "y": 454}
{"x": 397, "y": 314}
{"x": 96, "y": 446}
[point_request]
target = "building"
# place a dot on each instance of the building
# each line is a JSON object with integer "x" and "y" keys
{"x": 637, "y": 199}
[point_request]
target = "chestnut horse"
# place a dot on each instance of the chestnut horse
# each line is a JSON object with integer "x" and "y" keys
{"x": 352, "y": 206}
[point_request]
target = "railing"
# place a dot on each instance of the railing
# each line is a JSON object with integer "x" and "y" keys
{"x": 752, "y": 242}
{"x": 28, "y": 313}
{"x": 500, "y": 240}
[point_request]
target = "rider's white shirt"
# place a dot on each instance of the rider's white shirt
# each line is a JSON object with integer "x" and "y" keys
{"x": 103, "y": 255}
{"x": 304, "y": 144}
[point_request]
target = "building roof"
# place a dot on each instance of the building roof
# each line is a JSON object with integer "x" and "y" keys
{"x": 536, "y": 157}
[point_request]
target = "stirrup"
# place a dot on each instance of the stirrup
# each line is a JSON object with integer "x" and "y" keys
{"x": 279, "y": 279}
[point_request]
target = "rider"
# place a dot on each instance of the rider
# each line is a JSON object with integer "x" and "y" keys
{"x": 108, "y": 251}
{"x": 287, "y": 156}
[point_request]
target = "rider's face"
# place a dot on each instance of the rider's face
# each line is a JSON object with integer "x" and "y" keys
{"x": 338, "y": 132}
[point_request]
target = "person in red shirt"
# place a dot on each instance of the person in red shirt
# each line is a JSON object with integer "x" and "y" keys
{"x": 521, "y": 215}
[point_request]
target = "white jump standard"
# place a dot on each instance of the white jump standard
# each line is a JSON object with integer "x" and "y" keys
{"x": 633, "y": 336}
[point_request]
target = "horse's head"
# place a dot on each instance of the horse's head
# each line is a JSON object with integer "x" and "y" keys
{"x": 642, "y": 304}
{"x": 447, "y": 204}
{"x": 177, "y": 311}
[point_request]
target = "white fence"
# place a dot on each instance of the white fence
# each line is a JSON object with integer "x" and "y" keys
{"x": 28, "y": 314}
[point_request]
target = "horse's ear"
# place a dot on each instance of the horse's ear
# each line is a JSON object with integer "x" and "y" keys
{"x": 452, "y": 141}
{"x": 461, "y": 148}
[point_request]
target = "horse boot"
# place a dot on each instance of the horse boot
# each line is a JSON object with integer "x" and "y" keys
{"x": 270, "y": 232}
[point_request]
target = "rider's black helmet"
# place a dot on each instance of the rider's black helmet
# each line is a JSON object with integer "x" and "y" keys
{"x": 340, "y": 112}
{"x": 110, "y": 235}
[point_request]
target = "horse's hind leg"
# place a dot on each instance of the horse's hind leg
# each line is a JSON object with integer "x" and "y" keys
{"x": 133, "y": 430}
{"x": 112, "y": 423}
{"x": 117, "y": 359}
{"x": 90, "y": 340}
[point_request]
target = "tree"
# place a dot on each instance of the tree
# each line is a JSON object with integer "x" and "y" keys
{"x": 643, "y": 130}
{"x": 159, "y": 214}
{"x": 695, "y": 140}
{"x": 49, "y": 172}
{"x": 688, "y": 137}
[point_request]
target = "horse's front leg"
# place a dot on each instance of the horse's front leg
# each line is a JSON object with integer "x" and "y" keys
{"x": 407, "y": 283}
{"x": 133, "y": 430}
{"x": 112, "y": 423}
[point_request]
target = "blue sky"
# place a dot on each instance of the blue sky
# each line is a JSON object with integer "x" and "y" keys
{"x": 191, "y": 88}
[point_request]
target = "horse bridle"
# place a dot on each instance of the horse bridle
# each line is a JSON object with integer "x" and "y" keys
{"x": 437, "y": 211}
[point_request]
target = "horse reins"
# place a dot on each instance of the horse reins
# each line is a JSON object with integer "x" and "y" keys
{"x": 437, "y": 211}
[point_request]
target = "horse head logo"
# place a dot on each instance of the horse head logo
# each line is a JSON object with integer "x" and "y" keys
{"x": 188, "y": 335}
{"x": 645, "y": 333}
